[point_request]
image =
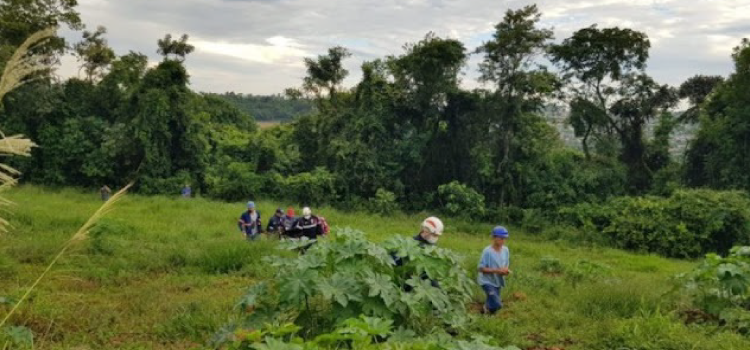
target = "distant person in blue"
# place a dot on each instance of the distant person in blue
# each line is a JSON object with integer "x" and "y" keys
{"x": 493, "y": 266}
{"x": 186, "y": 191}
{"x": 249, "y": 223}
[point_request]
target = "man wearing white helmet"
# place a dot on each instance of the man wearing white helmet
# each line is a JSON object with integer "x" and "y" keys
{"x": 430, "y": 232}
{"x": 432, "y": 229}
{"x": 309, "y": 224}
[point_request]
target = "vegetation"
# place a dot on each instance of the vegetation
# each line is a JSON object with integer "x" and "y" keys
{"x": 271, "y": 107}
{"x": 407, "y": 138}
{"x": 689, "y": 223}
{"x": 166, "y": 273}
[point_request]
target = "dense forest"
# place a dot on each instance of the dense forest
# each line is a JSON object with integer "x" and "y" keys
{"x": 407, "y": 136}
{"x": 269, "y": 108}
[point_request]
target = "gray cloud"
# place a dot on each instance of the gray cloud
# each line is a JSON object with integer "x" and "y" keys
{"x": 257, "y": 46}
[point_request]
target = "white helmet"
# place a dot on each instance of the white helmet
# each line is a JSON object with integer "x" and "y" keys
{"x": 306, "y": 212}
{"x": 433, "y": 225}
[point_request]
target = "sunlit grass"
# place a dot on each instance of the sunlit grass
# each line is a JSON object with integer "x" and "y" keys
{"x": 160, "y": 272}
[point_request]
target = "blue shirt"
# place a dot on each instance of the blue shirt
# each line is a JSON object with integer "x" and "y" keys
{"x": 250, "y": 224}
{"x": 493, "y": 259}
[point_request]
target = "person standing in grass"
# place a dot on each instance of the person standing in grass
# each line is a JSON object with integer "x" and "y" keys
{"x": 289, "y": 223}
{"x": 105, "y": 192}
{"x": 275, "y": 224}
{"x": 493, "y": 266}
{"x": 187, "y": 192}
{"x": 249, "y": 223}
{"x": 309, "y": 224}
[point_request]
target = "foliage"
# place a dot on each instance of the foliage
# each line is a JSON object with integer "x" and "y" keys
{"x": 612, "y": 96}
{"x": 347, "y": 275}
{"x": 94, "y": 52}
{"x": 179, "y": 48}
{"x": 720, "y": 287}
{"x": 315, "y": 187}
{"x": 271, "y": 107}
{"x": 689, "y": 223}
{"x": 717, "y": 156}
{"x": 460, "y": 200}
{"x": 354, "y": 333}
{"x": 384, "y": 202}
{"x": 551, "y": 265}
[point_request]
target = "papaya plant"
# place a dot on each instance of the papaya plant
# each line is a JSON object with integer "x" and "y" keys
{"x": 347, "y": 280}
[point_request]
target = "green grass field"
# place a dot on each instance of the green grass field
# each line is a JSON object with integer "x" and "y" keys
{"x": 165, "y": 273}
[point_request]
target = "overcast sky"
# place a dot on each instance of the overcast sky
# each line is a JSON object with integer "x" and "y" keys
{"x": 257, "y": 46}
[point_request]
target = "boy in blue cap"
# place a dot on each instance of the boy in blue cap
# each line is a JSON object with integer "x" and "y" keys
{"x": 250, "y": 223}
{"x": 492, "y": 267}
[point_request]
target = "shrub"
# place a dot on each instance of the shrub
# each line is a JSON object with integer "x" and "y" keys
{"x": 168, "y": 186}
{"x": 315, "y": 187}
{"x": 551, "y": 265}
{"x": 236, "y": 182}
{"x": 458, "y": 199}
{"x": 347, "y": 276}
{"x": 384, "y": 202}
{"x": 689, "y": 223}
{"x": 720, "y": 287}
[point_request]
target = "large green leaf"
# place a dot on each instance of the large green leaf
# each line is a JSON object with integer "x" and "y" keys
{"x": 297, "y": 284}
{"x": 382, "y": 285}
{"x": 341, "y": 288}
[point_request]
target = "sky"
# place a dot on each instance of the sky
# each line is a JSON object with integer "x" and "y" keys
{"x": 258, "y": 46}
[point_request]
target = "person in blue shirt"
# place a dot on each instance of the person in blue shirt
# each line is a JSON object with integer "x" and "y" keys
{"x": 493, "y": 266}
{"x": 249, "y": 223}
{"x": 187, "y": 192}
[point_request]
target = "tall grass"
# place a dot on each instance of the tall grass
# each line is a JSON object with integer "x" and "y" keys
{"x": 19, "y": 69}
{"x": 159, "y": 272}
{"x": 78, "y": 236}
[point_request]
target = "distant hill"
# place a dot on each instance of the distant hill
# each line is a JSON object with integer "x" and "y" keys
{"x": 269, "y": 107}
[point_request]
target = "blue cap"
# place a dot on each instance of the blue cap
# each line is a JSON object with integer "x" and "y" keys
{"x": 500, "y": 231}
{"x": 250, "y": 205}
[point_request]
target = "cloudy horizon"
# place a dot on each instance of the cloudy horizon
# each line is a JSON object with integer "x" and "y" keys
{"x": 258, "y": 46}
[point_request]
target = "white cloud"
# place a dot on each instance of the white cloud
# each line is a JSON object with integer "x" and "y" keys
{"x": 257, "y": 46}
{"x": 280, "y": 50}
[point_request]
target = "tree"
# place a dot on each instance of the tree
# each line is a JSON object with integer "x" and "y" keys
{"x": 719, "y": 156}
{"x": 696, "y": 90}
{"x": 178, "y": 48}
{"x": 20, "y": 19}
{"x": 520, "y": 87}
{"x": 326, "y": 73}
{"x": 612, "y": 96}
{"x": 95, "y": 53}
{"x": 593, "y": 61}
{"x": 426, "y": 81}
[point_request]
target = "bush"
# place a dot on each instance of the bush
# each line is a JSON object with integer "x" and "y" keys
{"x": 310, "y": 188}
{"x": 348, "y": 277}
{"x": 720, "y": 287}
{"x": 689, "y": 223}
{"x": 458, "y": 199}
{"x": 551, "y": 265}
{"x": 167, "y": 186}
{"x": 236, "y": 182}
{"x": 384, "y": 202}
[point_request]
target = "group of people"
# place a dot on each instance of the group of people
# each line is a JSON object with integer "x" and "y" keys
{"x": 493, "y": 264}
{"x": 491, "y": 270}
{"x": 282, "y": 225}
